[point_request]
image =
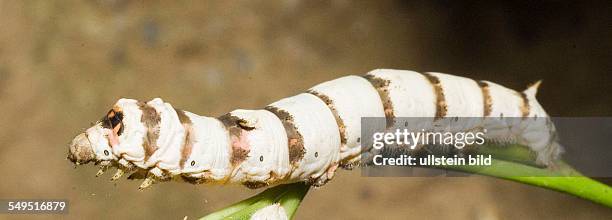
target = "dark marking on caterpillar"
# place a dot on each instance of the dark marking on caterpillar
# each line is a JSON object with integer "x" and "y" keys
{"x": 295, "y": 141}
{"x": 113, "y": 120}
{"x": 317, "y": 182}
{"x": 183, "y": 118}
{"x": 273, "y": 177}
{"x": 316, "y": 154}
{"x": 234, "y": 127}
{"x": 441, "y": 107}
{"x": 382, "y": 87}
{"x": 255, "y": 184}
{"x": 330, "y": 105}
{"x": 525, "y": 108}
{"x": 106, "y": 152}
{"x": 486, "y": 97}
{"x": 188, "y": 142}
{"x": 261, "y": 158}
{"x": 243, "y": 124}
{"x": 165, "y": 176}
{"x": 151, "y": 120}
{"x": 194, "y": 180}
{"x": 231, "y": 122}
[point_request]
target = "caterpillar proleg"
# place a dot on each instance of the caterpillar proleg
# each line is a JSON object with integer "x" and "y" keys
{"x": 305, "y": 137}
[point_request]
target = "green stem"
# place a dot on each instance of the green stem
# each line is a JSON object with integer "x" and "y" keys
{"x": 291, "y": 201}
{"x": 234, "y": 208}
{"x": 289, "y": 196}
{"x": 250, "y": 210}
{"x": 517, "y": 163}
{"x": 514, "y": 153}
{"x": 514, "y": 162}
{"x": 563, "y": 179}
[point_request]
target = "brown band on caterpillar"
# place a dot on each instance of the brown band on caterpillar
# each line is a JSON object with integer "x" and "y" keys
{"x": 151, "y": 120}
{"x": 525, "y": 108}
{"x": 234, "y": 126}
{"x": 486, "y": 97}
{"x": 382, "y": 87}
{"x": 188, "y": 143}
{"x": 330, "y": 105}
{"x": 441, "y": 107}
{"x": 295, "y": 141}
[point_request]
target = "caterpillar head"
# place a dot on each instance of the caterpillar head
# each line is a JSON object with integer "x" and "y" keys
{"x": 97, "y": 142}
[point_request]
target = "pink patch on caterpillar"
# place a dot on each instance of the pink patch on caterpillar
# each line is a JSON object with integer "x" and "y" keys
{"x": 240, "y": 148}
{"x": 113, "y": 139}
{"x": 331, "y": 171}
{"x": 241, "y": 142}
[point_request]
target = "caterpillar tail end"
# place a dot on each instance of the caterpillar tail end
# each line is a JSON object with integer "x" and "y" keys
{"x": 148, "y": 182}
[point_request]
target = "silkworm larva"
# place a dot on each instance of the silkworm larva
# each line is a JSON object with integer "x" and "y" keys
{"x": 301, "y": 138}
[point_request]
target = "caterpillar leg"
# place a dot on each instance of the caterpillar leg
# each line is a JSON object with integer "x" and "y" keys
{"x": 104, "y": 165}
{"x": 148, "y": 182}
{"x": 325, "y": 177}
{"x": 118, "y": 174}
{"x": 352, "y": 163}
{"x": 101, "y": 171}
{"x": 123, "y": 167}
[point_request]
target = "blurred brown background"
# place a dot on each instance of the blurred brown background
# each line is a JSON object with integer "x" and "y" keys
{"x": 63, "y": 64}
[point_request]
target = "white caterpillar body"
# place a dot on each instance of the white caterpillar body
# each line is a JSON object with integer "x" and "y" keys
{"x": 303, "y": 137}
{"x": 356, "y": 100}
{"x": 266, "y": 142}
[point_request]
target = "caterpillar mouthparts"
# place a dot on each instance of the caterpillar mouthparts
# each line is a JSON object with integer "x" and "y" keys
{"x": 300, "y": 138}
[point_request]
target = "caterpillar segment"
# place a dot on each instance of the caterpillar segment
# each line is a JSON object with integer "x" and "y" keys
{"x": 463, "y": 101}
{"x": 260, "y": 155}
{"x": 210, "y": 156}
{"x": 304, "y": 137}
{"x": 316, "y": 124}
{"x": 356, "y": 100}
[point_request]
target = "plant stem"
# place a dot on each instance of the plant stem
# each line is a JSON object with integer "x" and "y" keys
{"x": 291, "y": 201}
{"x": 289, "y": 196}
{"x": 564, "y": 179}
{"x": 234, "y": 208}
{"x": 514, "y": 162}
{"x": 517, "y": 163}
{"x": 513, "y": 153}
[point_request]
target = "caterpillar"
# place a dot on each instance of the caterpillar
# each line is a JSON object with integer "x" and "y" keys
{"x": 305, "y": 137}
